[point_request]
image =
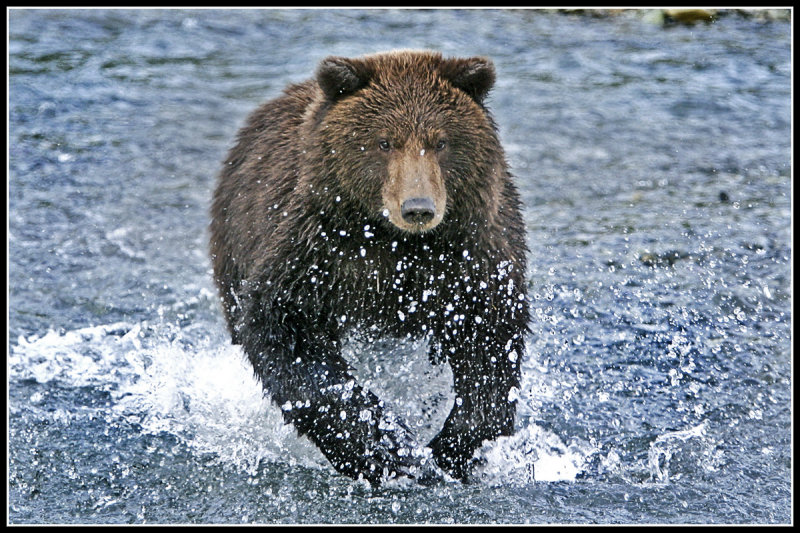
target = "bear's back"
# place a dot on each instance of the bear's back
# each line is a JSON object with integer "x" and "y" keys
{"x": 256, "y": 185}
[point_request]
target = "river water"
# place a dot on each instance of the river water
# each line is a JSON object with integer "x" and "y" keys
{"x": 655, "y": 167}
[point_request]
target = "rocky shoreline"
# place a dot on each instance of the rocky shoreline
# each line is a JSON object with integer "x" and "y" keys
{"x": 684, "y": 16}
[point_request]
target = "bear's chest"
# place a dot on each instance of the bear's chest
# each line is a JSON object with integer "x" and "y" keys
{"x": 393, "y": 287}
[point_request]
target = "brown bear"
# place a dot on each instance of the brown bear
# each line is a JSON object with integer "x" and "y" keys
{"x": 376, "y": 199}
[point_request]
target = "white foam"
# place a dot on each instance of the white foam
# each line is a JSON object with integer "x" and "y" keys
{"x": 203, "y": 391}
{"x": 531, "y": 454}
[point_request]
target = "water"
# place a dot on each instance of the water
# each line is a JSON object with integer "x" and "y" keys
{"x": 654, "y": 163}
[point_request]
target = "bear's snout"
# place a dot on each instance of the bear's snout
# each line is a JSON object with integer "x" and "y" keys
{"x": 418, "y": 210}
{"x": 414, "y": 196}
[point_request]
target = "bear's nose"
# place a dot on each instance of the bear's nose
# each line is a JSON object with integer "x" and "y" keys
{"x": 418, "y": 210}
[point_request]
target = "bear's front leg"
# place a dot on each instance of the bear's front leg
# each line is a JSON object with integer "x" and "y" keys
{"x": 301, "y": 367}
{"x": 486, "y": 366}
{"x": 349, "y": 425}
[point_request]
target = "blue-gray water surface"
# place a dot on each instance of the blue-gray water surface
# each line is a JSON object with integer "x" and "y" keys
{"x": 654, "y": 163}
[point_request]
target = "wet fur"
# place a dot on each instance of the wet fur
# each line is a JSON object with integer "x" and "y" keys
{"x": 303, "y": 253}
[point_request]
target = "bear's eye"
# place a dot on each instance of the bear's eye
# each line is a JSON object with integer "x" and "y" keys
{"x": 440, "y": 145}
{"x": 383, "y": 144}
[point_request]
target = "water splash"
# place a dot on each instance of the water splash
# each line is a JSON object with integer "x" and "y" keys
{"x": 531, "y": 454}
{"x": 205, "y": 394}
{"x": 690, "y": 446}
{"x": 203, "y": 391}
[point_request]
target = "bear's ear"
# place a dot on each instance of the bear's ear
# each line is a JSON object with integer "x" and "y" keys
{"x": 474, "y": 76}
{"x": 339, "y": 76}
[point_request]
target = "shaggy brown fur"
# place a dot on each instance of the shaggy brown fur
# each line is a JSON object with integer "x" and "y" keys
{"x": 376, "y": 198}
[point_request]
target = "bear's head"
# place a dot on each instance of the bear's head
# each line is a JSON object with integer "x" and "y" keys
{"x": 407, "y": 136}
